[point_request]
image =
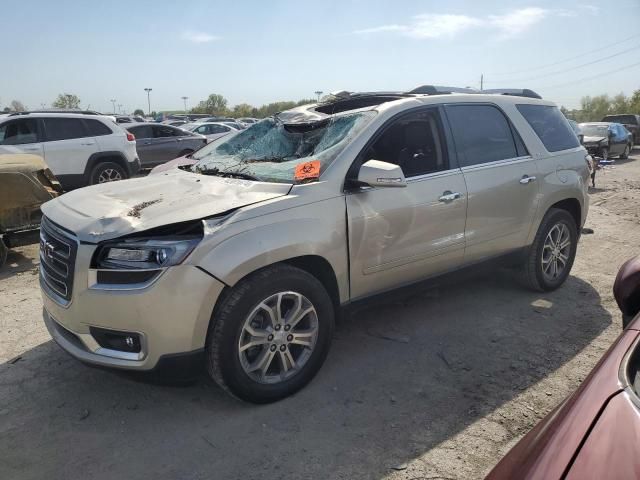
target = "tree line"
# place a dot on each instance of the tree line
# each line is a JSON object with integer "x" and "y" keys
{"x": 592, "y": 109}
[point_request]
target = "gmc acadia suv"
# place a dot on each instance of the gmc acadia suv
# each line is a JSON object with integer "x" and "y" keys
{"x": 80, "y": 148}
{"x": 244, "y": 259}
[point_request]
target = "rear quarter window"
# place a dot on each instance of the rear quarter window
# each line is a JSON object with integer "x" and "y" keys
{"x": 550, "y": 125}
{"x": 97, "y": 128}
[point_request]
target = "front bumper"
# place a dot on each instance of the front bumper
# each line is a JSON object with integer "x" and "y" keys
{"x": 171, "y": 315}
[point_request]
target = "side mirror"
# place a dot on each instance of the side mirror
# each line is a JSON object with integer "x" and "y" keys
{"x": 626, "y": 289}
{"x": 376, "y": 173}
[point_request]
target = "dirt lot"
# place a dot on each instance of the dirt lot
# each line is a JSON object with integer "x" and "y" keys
{"x": 438, "y": 384}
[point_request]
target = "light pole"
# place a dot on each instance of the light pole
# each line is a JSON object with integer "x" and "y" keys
{"x": 119, "y": 108}
{"x": 148, "y": 90}
{"x": 113, "y": 100}
{"x": 184, "y": 99}
{"x": 318, "y": 93}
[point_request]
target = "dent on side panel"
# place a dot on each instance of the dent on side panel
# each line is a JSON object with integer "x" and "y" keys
{"x": 317, "y": 228}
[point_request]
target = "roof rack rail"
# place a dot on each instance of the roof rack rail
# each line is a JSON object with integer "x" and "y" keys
{"x": 516, "y": 92}
{"x": 60, "y": 110}
{"x": 440, "y": 90}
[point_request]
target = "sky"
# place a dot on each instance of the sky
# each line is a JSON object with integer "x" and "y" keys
{"x": 264, "y": 51}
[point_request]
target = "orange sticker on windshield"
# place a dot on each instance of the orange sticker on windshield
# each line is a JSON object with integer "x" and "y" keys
{"x": 308, "y": 170}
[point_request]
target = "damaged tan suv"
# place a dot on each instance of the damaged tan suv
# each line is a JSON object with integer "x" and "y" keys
{"x": 244, "y": 259}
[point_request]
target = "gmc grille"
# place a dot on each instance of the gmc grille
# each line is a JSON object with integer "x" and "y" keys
{"x": 57, "y": 260}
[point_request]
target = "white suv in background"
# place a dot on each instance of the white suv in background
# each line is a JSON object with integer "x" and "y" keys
{"x": 80, "y": 148}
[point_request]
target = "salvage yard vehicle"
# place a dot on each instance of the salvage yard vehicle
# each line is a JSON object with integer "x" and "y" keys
{"x": 25, "y": 183}
{"x": 157, "y": 143}
{"x": 247, "y": 257}
{"x": 630, "y": 122}
{"x": 606, "y": 140}
{"x": 594, "y": 433}
{"x": 81, "y": 148}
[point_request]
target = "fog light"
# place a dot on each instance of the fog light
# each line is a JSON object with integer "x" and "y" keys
{"x": 115, "y": 340}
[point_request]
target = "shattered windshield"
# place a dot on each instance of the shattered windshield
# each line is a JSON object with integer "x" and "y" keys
{"x": 272, "y": 151}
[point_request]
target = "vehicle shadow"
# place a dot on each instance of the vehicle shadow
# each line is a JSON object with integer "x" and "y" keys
{"x": 18, "y": 262}
{"x": 405, "y": 373}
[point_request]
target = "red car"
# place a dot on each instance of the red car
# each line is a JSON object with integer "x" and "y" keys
{"x": 595, "y": 433}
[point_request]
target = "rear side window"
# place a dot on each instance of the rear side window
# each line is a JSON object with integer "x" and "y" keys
{"x": 64, "y": 129}
{"x": 482, "y": 134}
{"x": 551, "y": 126}
{"x": 97, "y": 128}
{"x": 167, "y": 131}
{"x": 143, "y": 131}
{"x": 19, "y": 132}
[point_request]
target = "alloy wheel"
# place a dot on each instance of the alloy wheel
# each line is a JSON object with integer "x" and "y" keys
{"x": 556, "y": 252}
{"x": 109, "y": 175}
{"x": 278, "y": 337}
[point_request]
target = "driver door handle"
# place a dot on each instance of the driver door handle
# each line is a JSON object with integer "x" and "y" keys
{"x": 449, "y": 196}
{"x": 527, "y": 179}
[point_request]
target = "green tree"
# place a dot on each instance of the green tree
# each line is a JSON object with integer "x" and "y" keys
{"x": 214, "y": 105}
{"x": 619, "y": 104}
{"x": 66, "y": 100}
{"x": 634, "y": 102}
{"x": 242, "y": 110}
{"x": 17, "y": 106}
{"x": 138, "y": 111}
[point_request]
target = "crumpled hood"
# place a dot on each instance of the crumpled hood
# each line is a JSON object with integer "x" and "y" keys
{"x": 594, "y": 139}
{"x": 111, "y": 210}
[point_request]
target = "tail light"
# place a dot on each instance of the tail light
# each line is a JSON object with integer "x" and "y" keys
{"x": 131, "y": 137}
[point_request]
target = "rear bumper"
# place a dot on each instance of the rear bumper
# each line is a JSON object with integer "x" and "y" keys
{"x": 134, "y": 167}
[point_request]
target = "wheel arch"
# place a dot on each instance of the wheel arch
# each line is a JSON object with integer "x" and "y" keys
{"x": 100, "y": 157}
{"x": 573, "y": 207}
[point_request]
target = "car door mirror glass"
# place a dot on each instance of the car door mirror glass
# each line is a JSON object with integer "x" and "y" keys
{"x": 376, "y": 173}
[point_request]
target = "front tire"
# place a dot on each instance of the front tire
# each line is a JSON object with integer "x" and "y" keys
{"x": 553, "y": 251}
{"x": 107, "y": 172}
{"x": 270, "y": 335}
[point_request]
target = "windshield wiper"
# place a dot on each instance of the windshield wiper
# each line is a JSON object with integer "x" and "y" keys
{"x": 227, "y": 174}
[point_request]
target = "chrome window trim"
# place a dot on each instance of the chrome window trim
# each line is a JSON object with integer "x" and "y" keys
{"x": 496, "y": 163}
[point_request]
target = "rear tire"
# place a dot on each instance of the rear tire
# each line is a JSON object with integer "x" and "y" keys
{"x": 550, "y": 257}
{"x": 261, "y": 345}
{"x": 624, "y": 155}
{"x": 105, "y": 172}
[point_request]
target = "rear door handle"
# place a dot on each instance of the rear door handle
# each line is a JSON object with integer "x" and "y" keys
{"x": 527, "y": 179}
{"x": 87, "y": 144}
{"x": 31, "y": 149}
{"x": 449, "y": 196}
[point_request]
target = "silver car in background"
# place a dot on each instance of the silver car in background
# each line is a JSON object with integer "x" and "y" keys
{"x": 243, "y": 260}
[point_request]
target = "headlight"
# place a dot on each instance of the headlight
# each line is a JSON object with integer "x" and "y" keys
{"x": 144, "y": 254}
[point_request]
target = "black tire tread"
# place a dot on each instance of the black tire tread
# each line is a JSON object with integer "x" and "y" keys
{"x": 224, "y": 312}
{"x": 94, "y": 173}
{"x": 530, "y": 265}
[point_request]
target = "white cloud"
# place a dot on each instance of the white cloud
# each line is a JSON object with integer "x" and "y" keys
{"x": 198, "y": 37}
{"x": 518, "y": 21}
{"x": 449, "y": 25}
{"x": 428, "y": 26}
{"x": 592, "y": 9}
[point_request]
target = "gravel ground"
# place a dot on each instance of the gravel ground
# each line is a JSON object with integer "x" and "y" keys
{"x": 439, "y": 383}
